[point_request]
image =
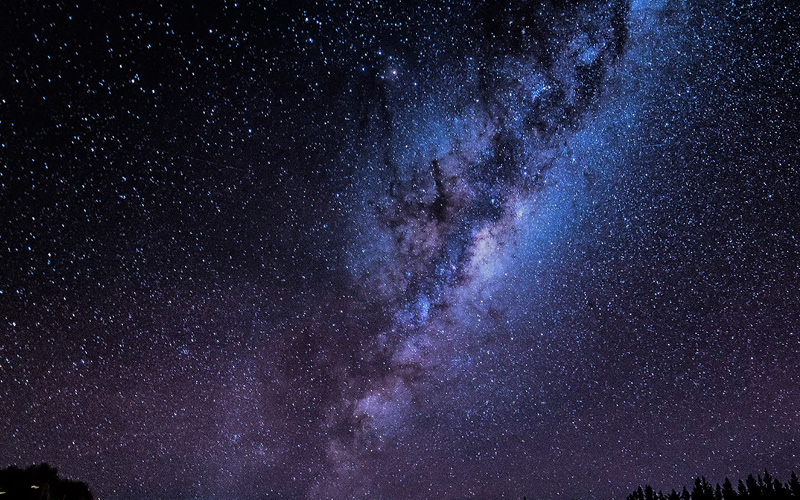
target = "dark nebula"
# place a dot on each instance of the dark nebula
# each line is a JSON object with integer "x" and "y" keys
{"x": 400, "y": 249}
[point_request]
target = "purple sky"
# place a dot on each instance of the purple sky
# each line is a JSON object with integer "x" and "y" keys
{"x": 381, "y": 250}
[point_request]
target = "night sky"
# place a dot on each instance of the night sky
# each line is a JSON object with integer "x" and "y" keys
{"x": 391, "y": 250}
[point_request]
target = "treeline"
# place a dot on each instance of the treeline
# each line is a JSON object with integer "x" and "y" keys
{"x": 763, "y": 487}
{"x": 40, "y": 482}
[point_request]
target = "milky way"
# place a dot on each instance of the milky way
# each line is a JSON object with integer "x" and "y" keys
{"x": 383, "y": 250}
{"x": 445, "y": 211}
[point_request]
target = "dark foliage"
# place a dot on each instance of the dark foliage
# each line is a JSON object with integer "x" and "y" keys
{"x": 40, "y": 482}
{"x": 759, "y": 487}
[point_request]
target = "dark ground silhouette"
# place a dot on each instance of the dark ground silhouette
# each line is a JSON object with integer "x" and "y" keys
{"x": 753, "y": 488}
{"x": 40, "y": 482}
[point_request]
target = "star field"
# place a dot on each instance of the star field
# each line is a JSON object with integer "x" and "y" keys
{"x": 386, "y": 250}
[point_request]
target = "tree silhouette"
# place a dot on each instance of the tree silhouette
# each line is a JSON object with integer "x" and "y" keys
{"x": 40, "y": 482}
{"x": 753, "y": 488}
{"x": 743, "y": 494}
{"x": 794, "y": 486}
{"x": 728, "y": 493}
{"x": 757, "y": 487}
{"x": 706, "y": 490}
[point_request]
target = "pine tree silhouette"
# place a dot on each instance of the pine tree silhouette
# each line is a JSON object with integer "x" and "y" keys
{"x": 728, "y": 493}
{"x": 743, "y": 493}
{"x": 757, "y": 487}
{"x": 768, "y": 488}
{"x": 752, "y": 488}
{"x": 794, "y": 486}
{"x": 781, "y": 493}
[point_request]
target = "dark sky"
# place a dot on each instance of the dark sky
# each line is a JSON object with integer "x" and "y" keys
{"x": 399, "y": 249}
